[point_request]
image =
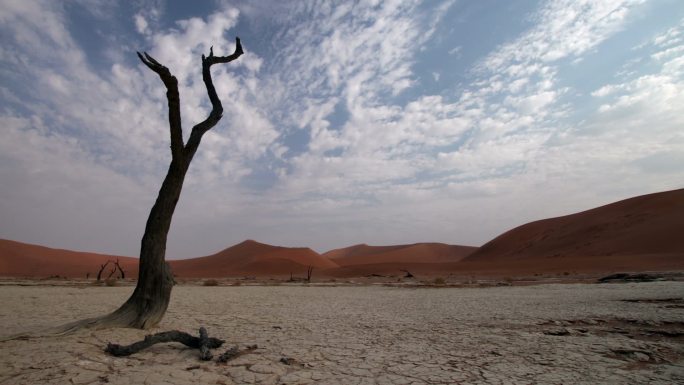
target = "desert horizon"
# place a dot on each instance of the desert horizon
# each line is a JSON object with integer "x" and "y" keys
{"x": 635, "y": 234}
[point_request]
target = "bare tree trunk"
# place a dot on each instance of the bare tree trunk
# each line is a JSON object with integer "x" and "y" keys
{"x": 148, "y": 303}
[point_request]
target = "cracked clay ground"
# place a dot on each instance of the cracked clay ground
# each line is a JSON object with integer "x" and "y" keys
{"x": 546, "y": 334}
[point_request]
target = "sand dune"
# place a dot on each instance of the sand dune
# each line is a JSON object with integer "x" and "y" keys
{"x": 637, "y": 233}
{"x": 252, "y": 258}
{"x": 25, "y": 260}
{"x": 415, "y": 253}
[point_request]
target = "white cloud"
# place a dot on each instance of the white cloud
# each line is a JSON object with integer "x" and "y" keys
{"x": 140, "y": 23}
{"x": 104, "y": 134}
{"x": 455, "y": 50}
{"x": 384, "y": 162}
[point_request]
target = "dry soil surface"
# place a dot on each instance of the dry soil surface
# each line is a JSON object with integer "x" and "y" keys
{"x": 547, "y": 334}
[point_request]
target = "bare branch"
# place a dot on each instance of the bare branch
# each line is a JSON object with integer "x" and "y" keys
{"x": 170, "y": 336}
{"x": 216, "y": 107}
{"x": 173, "y": 99}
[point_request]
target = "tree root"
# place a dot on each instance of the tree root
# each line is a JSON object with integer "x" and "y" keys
{"x": 203, "y": 343}
{"x": 124, "y": 317}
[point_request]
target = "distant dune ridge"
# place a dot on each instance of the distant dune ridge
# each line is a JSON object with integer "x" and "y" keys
{"x": 636, "y": 234}
{"x": 252, "y": 258}
{"x": 25, "y": 260}
{"x": 415, "y": 253}
{"x": 641, "y": 233}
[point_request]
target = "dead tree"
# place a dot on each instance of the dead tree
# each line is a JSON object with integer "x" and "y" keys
{"x": 408, "y": 274}
{"x": 99, "y": 273}
{"x": 309, "y": 271}
{"x": 148, "y": 303}
{"x": 123, "y": 275}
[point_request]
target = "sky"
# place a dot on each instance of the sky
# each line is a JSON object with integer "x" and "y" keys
{"x": 378, "y": 122}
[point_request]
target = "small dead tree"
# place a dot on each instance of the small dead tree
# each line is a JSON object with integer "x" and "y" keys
{"x": 99, "y": 273}
{"x": 309, "y": 271}
{"x": 123, "y": 275}
{"x": 408, "y": 274}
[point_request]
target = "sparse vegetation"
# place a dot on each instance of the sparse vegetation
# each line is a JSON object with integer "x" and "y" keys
{"x": 210, "y": 282}
{"x": 439, "y": 281}
{"x": 111, "y": 282}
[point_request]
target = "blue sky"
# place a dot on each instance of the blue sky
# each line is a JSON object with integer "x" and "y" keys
{"x": 378, "y": 122}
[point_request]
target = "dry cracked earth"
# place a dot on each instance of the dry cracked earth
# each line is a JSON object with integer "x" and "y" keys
{"x": 627, "y": 333}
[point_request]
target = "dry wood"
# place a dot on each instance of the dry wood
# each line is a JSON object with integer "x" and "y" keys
{"x": 205, "y": 353}
{"x": 170, "y": 336}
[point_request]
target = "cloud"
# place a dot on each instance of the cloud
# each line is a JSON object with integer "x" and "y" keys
{"x": 140, "y": 23}
{"x": 103, "y": 132}
{"x": 330, "y": 134}
{"x": 646, "y": 105}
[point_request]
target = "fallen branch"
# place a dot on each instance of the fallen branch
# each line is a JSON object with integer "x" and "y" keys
{"x": 235, "y": 352}
{"x": 170, "y": 336}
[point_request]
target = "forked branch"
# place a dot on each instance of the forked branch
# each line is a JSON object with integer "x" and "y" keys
{"x": 216, "y": 107}
{"x": 178, "y": 149}
{"x": 173, "y": 99}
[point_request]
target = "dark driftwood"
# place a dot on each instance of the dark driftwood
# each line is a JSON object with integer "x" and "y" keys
{"x": 205, "y": 353}
{"x": 170, "y": 336}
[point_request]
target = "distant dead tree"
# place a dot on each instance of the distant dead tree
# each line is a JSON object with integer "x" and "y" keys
{"x": 99, "y": 273}
{"x": 408, "y": 274}
{"x": 123, "y": 275}
{"x": 309, "y": 271}
{"x": 150, "y": 299}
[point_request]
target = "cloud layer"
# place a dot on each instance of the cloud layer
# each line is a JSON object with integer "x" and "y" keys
{"x": 331, "y": 132}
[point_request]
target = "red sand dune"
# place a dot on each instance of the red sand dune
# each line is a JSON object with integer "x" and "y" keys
{"x": 641, "y": 233}
{"x": 25, "y": 260}
{"x": 252, "y": 258}
{"x": 415, "y": 253}
{"x": 637, "y": 234}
